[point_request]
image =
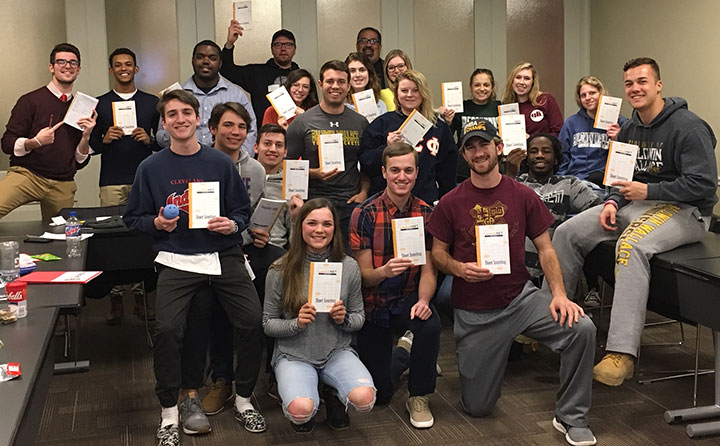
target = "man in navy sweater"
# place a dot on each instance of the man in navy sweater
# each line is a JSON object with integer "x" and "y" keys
{"x": 44, "y": 153}
{"x": 121, "y": 154}
{"x": 191, "y": 259}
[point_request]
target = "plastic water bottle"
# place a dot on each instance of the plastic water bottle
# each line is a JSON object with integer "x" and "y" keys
{"x": 9, "y": 263}
{"x": 73, "y": 231}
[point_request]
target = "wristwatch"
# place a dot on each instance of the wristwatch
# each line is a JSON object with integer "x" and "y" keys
{"x": 236, "y": 229}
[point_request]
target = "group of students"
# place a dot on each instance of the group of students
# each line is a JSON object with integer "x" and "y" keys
{"x": 452, "y": 179}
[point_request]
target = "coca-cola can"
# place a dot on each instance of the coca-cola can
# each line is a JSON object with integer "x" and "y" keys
{"x": 17, "y": 297}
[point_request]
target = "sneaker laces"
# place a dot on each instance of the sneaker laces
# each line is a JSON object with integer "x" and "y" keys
{"x": 420, "y": 404}
{"x": 616, "y": 358}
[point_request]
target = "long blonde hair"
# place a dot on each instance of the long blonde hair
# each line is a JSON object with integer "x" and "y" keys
{"x": 509, "y": 95}
{"x": 388, "y": 57}
{"x": 291, "y": 263}
{"x": 426, "y": 107}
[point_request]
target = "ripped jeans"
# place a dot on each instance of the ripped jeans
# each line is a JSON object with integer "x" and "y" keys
{"x": 298, "y": 379}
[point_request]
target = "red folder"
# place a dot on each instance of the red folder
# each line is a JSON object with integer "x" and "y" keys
{"x": 55, "y": 276}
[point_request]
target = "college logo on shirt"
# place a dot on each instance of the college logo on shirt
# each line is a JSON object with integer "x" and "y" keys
{"x": 181, "y": 201}
{"x": 489, "y": 215}
{"x": 433, "y": 145}
{"x": 537, "y": 115}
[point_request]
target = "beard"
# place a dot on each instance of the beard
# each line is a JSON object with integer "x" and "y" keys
{"x": 491, "y": 165}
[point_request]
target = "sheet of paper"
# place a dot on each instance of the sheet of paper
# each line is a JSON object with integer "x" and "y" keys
{"x": 295, "y": 178}
{"x": 57, "y": 221}
{"x": 409, "y": 239}
{"x": 82, "y": 106}
{"x": 492, "y": 245}
{"x": 608, "y": 112}
{"x": 365, "y": 104}
{"x": 325, "y": 282}
{"x": 242, "y": 12}
{"x": 77, "y": 276}
{"x": 124, "y": 116}
{"x": 414, "y": 128}
{"x": 174, "y": 86}
{"x": 204, "y": 203}
{"x": 282, "y": 102}
{"x": 265, "y": 214}
{"x": 52, "y": 236}
{"x": 452, "y": 96}
{"x": 512, "y": 131}
{"x": 620, "y": 164}
{"x": 509, "y": 109}
{"x": 330, "y": 152}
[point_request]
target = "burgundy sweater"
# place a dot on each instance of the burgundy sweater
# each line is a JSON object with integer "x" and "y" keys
{"x": 545, "y": 117}
{"x": 32, "y": 112}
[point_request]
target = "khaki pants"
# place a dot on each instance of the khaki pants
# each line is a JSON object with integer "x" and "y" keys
{"x": 114, "y": 195}
{"x": 20, "y": 186}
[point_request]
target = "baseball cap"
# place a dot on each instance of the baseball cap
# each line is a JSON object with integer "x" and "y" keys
{"x": 481, "y": 127}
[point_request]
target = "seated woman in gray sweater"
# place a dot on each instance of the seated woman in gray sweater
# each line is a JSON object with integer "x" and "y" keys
{"x": 311, "y": 345}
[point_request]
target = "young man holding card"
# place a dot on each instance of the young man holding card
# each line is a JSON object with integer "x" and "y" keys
{"x": 259, "y": 79}
{"x": 122, "y": 149}
{"x": 667, "y": 204}
{"x": 44, "y": 153}
{"x": 228, "y": 124}
{"x": 490, "y": 310}
{"x": 193, "y": 259}
{"x": 211, "y": 89}
{"x": 397, "y": 289}
{"x": 345, "y": 187}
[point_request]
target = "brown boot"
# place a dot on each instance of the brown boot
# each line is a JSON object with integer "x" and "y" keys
{"x": 116, "y": 310}
{"x": 142, "y": 310}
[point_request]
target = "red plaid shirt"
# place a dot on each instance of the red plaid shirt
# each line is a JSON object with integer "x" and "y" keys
{"x": 371, "y": 228}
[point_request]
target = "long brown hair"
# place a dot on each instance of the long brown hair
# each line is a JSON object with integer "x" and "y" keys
{"x": 312, "y": 98}
{"x": 291, "y": 263}
{"x": 373, "y": 81}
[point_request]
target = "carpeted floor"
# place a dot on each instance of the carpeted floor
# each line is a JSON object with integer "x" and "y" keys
{"x": 114, "y": 404}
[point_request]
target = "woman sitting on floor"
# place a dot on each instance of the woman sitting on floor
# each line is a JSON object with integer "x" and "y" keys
{"x": 311, "y": 345}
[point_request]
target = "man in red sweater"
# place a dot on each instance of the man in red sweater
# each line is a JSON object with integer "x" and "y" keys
{"x": 44, "y": 153}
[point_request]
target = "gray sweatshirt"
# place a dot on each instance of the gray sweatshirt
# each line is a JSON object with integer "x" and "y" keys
{"x": 253, "y": 176}
{"x": 676, "y": 157}
{"x": 281, "y": 230}
{"x": 322, "y": 338}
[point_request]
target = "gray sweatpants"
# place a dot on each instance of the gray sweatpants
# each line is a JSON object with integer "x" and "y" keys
{"x": 483, "y": 341}
{"x": 645, "y": 228}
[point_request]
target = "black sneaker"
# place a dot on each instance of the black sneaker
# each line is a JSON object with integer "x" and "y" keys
{"x": 168, "y": 435}
{"x": 335, "y": 410}
{"x": 304, "y": 428}
{"x": 251, "y": 419}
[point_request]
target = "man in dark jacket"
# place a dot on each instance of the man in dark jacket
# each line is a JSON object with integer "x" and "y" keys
{"x": 259, "y": 79}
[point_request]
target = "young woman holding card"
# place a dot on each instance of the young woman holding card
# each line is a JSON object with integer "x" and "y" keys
{"x": 301, "y": 86}
{"x": 363, "y": 77}
{"x": 312, "y": 346}
{"x": 483, "y": 104}
{"x": 437, "y": 151}
{"x": 396, "y": 62}
{"x": 585, "y": 148}
{"x": 541, "y": 110}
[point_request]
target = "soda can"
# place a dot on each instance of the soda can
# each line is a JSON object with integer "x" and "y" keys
{"x": 17, "y": 298}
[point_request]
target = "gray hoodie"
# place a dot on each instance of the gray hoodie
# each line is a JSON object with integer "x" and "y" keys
{"x": 253, "y": 176}
{"x": 676, "y": 157}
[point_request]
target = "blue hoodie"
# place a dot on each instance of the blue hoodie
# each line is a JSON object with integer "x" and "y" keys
{"x": 584, "y": 147}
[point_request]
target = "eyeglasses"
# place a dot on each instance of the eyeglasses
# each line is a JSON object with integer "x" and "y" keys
{"x": 396, "y": 67}
{"x": 279, "y": 45}
{"x": 63, "y": 62}
{"x": 363, "y": 41}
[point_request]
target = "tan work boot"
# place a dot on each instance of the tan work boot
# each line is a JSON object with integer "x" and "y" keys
{"x": 116, "y": 313}
{"x": 220, "y": 394}
{"x": 142, "y": 308}
{"x": 419, "y": 409}
{"x": 614, "y": 369}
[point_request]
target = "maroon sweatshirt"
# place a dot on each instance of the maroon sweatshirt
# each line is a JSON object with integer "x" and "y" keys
{"x": 543, "y": 118}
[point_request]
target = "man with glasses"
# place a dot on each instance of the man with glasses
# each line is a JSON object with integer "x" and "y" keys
{"x": 369, "y": 42}
{"x": 44, "y": 153}
{"x": 259, "y": 79}
{"x": 211, "y": 89}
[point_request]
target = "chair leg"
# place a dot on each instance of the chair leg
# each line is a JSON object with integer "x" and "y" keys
{"x": 697, "y": 360}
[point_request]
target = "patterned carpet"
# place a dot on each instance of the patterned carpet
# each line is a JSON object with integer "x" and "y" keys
{"x": 114, "y": 404}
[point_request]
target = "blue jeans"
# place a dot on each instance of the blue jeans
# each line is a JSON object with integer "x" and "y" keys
{"x": 299, "y": 379}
